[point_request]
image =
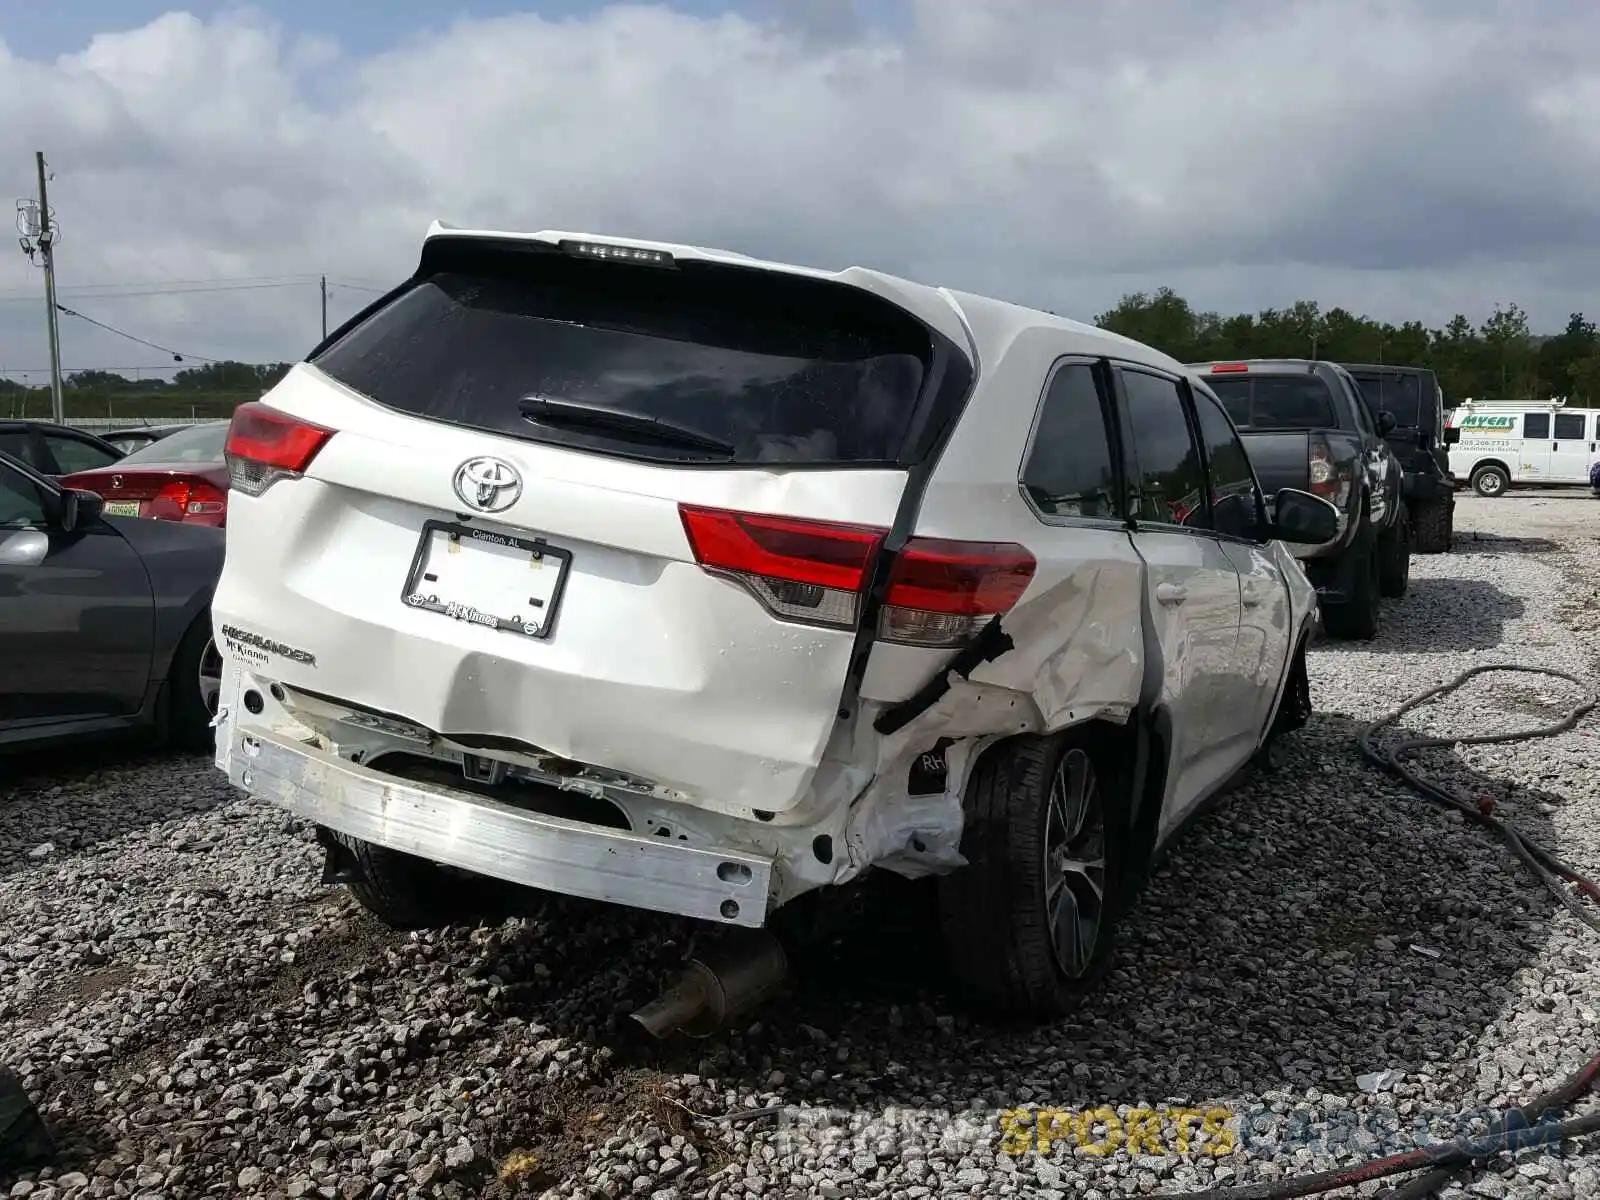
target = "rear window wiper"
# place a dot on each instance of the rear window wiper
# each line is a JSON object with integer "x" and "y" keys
{"x": 572, "y": 414}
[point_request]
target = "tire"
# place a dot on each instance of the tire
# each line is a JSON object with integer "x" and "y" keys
{"x": 194, "y": 681}
{"x": 1394, "y": 557}
{"x": 406, "y": 892}
{"x": 999, "y": 933}
{"x": 1490, "y": 481}
{"x": 1356, "y": 619}
{"x": 1431, "y": 527}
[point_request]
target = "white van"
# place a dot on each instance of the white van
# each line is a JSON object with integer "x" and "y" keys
{"x": 1500, "y": 443}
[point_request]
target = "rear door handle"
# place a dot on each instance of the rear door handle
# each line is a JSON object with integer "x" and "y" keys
{"x": 1171, "y": 593}
{"x": 1252, "y": 595}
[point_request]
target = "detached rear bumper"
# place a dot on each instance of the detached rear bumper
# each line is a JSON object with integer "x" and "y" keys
{"x": 477, "y": 834}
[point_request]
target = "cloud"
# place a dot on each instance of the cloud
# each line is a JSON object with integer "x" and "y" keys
{"x": 1406, "y": 159}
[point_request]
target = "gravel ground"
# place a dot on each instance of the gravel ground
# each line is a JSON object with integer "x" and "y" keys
{"x": 1333, "y": 962}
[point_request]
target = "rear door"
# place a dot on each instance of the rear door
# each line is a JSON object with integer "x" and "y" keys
{"x": 77, "y": 617}
{"x": 1572, "y": 434}
{"x": 1265, "y": 617}
{"x": 1193, "y": 587}
{"x": 614, "y": 514}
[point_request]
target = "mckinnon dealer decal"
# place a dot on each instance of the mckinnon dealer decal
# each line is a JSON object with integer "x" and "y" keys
{"x": 243, "y": 642}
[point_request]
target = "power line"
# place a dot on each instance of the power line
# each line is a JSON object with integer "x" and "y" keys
{"x": 135, "y": 338}
{"x": 83, "y": 293}
{"x": 7, "y": 372}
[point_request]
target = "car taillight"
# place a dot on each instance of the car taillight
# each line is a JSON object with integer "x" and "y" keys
{"x": 1229, "y": 368}
{"x": 194, "y": 500}
{"x": 265, "y": 445}
{"x": 940, "y": 592}
{"x": 1326, "y": 479}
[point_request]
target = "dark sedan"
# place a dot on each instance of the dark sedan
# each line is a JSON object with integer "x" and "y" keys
{"x": 55, "y": 449}
{"x": 105, "y": 621}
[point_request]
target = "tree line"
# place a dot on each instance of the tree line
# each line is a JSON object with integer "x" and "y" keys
{"x": 1499, "y": 359}
{"x": 208, "y": 390}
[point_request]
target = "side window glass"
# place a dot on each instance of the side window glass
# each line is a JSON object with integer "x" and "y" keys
{"x": 1364, "y": 405}
{"x": 1170, "y": 487}
{"x": 1235, "y": 507}
{"x": 1536, "y": 427}
{"x": 73, "y": 455}
{"x": 1569, "y": 427}
{"x": 1069, "y": 471}
{"x": 21, "y": 506}
{"x": 19, "y": 445}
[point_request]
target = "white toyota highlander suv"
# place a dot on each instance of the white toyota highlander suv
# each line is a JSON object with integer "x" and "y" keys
{"x": 669, "y": 577}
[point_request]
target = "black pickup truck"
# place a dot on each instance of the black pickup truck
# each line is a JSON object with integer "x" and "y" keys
{"x": 1420, "y": 444}
{"x": 1307, "y": 425}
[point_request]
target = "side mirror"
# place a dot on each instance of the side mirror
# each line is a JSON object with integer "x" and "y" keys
{"x": 1303, "y": 518}
{"x": 1386, "y": 423}
{"x": 1452, "y": 435}
{"x": 23, "y": 548}
{"x": 79, "y": 509}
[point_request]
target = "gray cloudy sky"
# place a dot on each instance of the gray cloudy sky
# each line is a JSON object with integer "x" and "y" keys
{"x": 1404, "y": 158}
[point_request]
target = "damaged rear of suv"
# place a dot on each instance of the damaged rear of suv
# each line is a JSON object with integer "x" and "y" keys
{"x": 662, "y": 576}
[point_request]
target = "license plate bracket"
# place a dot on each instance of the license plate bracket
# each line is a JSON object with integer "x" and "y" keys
{"x": 483, "y": 577}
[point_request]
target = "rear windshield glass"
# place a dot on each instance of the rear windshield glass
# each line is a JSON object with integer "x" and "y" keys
{"x": 772, "y": 368}
{"x": 1400, "y": 393}
{"x": 1275, "y": 401}
{"x": 201, "y": 444}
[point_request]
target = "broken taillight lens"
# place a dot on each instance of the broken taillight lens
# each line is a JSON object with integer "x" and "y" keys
{"x": 940, "y": 592}
{"x": 265, "y": 445}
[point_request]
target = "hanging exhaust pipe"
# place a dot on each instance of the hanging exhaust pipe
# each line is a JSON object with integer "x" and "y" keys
{"x": 730, "y": 977}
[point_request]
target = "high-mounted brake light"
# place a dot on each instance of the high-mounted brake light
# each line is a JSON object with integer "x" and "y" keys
{"x": 940, "y": 593}
{"x": 1229, "y": 368}
{"x": 265, "y": 445}
{"x": 638, "y": 255}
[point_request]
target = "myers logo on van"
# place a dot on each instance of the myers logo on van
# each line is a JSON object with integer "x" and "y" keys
{"x": 1485, "y": 422}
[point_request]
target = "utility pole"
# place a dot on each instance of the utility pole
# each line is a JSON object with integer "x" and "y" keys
{"x": 47, "y": 237}
{"x": 324, "y": 308}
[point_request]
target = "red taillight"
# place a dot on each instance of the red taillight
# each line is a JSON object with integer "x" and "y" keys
{"x": 943, "y": 592}
{"x": 192, "y": 499}
{"x": 939, "y": 593}
{"x": 265, "y": 445}
{"x": 810, "y": 571}
{"x": 1229, "y": 368}
{"x": 1324, "y": 475}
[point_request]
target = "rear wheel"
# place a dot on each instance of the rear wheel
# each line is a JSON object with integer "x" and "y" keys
{"x": 1490, "y": 481}
{"x": 1431, "y": 527}
{"x": 406, "y": 892}
{"x": 1394, "y": 556}
{"x": 1029, "y": 923}
{"x": 1356, "y": 618}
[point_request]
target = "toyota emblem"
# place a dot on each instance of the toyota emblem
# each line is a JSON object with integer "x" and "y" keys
{"x": 488, "y": 484}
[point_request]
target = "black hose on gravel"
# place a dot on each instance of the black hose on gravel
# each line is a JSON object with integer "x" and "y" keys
{"x": 1515, "y": 1129}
